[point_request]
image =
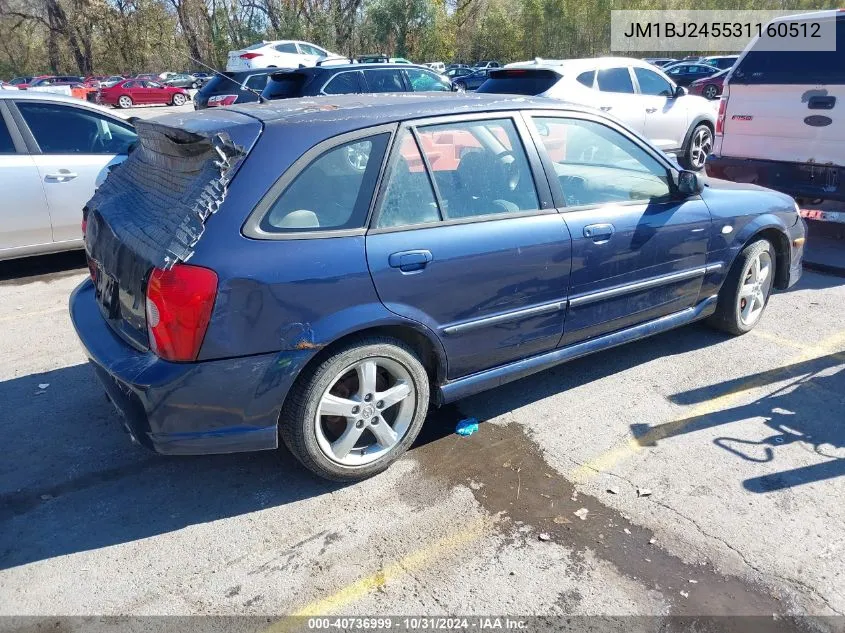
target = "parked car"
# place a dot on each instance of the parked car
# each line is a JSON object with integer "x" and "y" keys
{"x": 722, "y": 62}
{"x": 660, "y": 61}
{"x": 636, "y": 92}
{"x": 54, "y": 151}
{"x": 684, "y": 74}
{"x": 228, "y": 88}
{"x": 487, "y": 64}
{"x": 380, "y": 59}
{"x": 438, "y": 67}
{"x": 353, "y": 78}
{"x": 709, "y": 87}
{"x": 176, "y": 80}
{"x": 108, "y": 82}
{"x": 781, "y": 120}
{"x": 552, "y": 232}
{"x": 21, "y": 81}
{"x": 278, "y": 53}
{"x": 458, "y": 71}
{"x": 471, "y": 81}
{"x": 56, "y": 80}
{"x": 131, "y": 92}
{"x": 205, "y": 77}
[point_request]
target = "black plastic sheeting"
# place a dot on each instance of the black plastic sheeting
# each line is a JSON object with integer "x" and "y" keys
{"x": 151, "y": 210}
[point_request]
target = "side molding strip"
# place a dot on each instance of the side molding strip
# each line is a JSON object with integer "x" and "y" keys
{"x": 474, "y": 383}
{"x": 547, "y": 308}
{"x": 618, "y": 291}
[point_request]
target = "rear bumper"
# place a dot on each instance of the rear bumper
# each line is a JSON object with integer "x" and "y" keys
{"x": 220, "y": 406}
{"x": 796, "y": 179}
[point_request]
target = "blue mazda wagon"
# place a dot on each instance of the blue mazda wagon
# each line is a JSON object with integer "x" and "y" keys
{"x": 323, "y": 270}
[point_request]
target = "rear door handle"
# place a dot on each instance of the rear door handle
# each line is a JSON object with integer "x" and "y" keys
{"x": 63, "y": 175}
{"x": 599, "y": 232}
{"x": 606, "y": 108}
{"x": 821, "y": 103}
{"x": 410, "y": 261}
{"x": 651, "y": 110}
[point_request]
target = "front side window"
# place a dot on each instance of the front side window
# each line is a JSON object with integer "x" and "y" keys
{"x": 387, "y": 80}
{"x": 422, "y": 81}
{"x": 6, "y": 144}
{"x": 652, "y": 84}
{"x": 615, "y": 80}
{"x": 596, "y": 164}
{"x": 342, "y": 84}
{"x": 61, "y": 129}
{"x": 333, "y": 192}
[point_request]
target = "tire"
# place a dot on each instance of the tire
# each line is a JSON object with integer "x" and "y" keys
{"x": 734, "y": 299}
{"x": 124, "y": 102}
{"x": 711, "y": 91}
{"x": 385, "y": 428}
{"x": 699, "y": 145}
{"x": 460, "y": 86}
{"x": 178, "y": 99}
{"x": 194, "y": 85}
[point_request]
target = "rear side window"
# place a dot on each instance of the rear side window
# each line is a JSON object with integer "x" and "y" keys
{"x": 652, "y": 84}
{"x": 794, "y": 67}
{"x": 61, "y": 129}
{"x": 615, "y": 80}
{"x": 6, "y": 144}
{"x": 586, "y": 78}
{"x": 519, "y": 82}
{"x": 386, "y": 80}
{"x": 256, "y": 82}
{"x": 286, "y": 48}
{"x": 284, "y": 85}
{"x": 343, "y": 83}
{"x": 333, "y": 192}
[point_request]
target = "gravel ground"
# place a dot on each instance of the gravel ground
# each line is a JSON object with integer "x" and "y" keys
{"x": 710, "y": 468}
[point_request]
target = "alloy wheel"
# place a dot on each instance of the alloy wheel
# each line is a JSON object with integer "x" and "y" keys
{"x": 365, "y": 412}
{"x": 756, "y": 283}
{"x": 178, "y": 100}
{"x": 710, "y": 91}
{"x": 125, "y": 102}
{"x": 701, "y": 145}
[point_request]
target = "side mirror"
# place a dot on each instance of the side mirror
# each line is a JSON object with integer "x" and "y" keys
{"x": 689, "y": 184}
{"x": 680, "y": 91}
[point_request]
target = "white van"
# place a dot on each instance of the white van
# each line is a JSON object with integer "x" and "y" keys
{"x": 781, "y": 121}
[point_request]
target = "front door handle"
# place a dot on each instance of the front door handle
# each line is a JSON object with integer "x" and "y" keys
{"x": 606, "y": 108}
{"x": 410, "y": 261}
{"x": 651, "y": 110}
{"x": 599, "y": 233}
{"x": 63, "y": 175}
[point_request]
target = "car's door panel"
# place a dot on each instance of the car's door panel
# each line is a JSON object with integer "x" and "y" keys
{"x": 492, "y": 288}
{"x": 617, "y": 98}
{"x": 666, "y": 116}
{"x": 637, "y": 252}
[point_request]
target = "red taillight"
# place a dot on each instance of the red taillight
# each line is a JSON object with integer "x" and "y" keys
{"x": 84, "y": 226}
{"x": 720, "y": 120}
{"x": 179, "y": 304}
{"x": 222, "y": 100}
{"x": 251, "y": 55}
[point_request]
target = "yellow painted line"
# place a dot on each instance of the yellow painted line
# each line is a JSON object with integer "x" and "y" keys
{"x": 831, "y": 346}
{"x": 25, "y": 315}
{"x": 418, "y": 559}
{"x": 779, "y": 340}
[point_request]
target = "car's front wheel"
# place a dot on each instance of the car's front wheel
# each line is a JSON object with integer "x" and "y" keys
{"x": 178, "y": 99}
{"x": 698, "y": 148}
{"x": 746, "y": 290}
{"x": 460, "y": 86}
{"x": 358, "y": 411}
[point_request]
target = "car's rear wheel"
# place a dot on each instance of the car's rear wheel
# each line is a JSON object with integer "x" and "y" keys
{"x": 745, "y": 293}
{"x": 710, "y": 91}
{"x": 194, "y": 85}
{"x": 125, "y": 101}
{"x": 358, "y": 411}
{"x": 178, "y": 99}
{"x": 699, "y": 146}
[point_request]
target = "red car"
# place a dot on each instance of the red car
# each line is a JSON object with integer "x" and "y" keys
{"x": 129, "y": 92}
{"x": 709, "y": 87}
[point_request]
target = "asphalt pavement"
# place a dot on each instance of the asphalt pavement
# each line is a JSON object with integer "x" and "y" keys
{"x": 690, "y": 474}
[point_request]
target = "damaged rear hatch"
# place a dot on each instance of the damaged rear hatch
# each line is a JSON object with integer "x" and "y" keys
{"x": 152, "y": 209}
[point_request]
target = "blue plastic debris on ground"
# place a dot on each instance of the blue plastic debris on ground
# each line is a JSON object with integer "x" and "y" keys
{"x": 467, "y": 427}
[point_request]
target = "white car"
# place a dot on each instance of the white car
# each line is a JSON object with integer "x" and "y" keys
{"x": 781, "y": 119}
{"x": 438, "y": 67}
{"x": 54, "y": 152}
{"x": 634, "y": 91}
{"x": 277, "y": 54}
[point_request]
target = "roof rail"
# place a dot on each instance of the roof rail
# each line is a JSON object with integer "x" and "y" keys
{"x": 335, "y": 58}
